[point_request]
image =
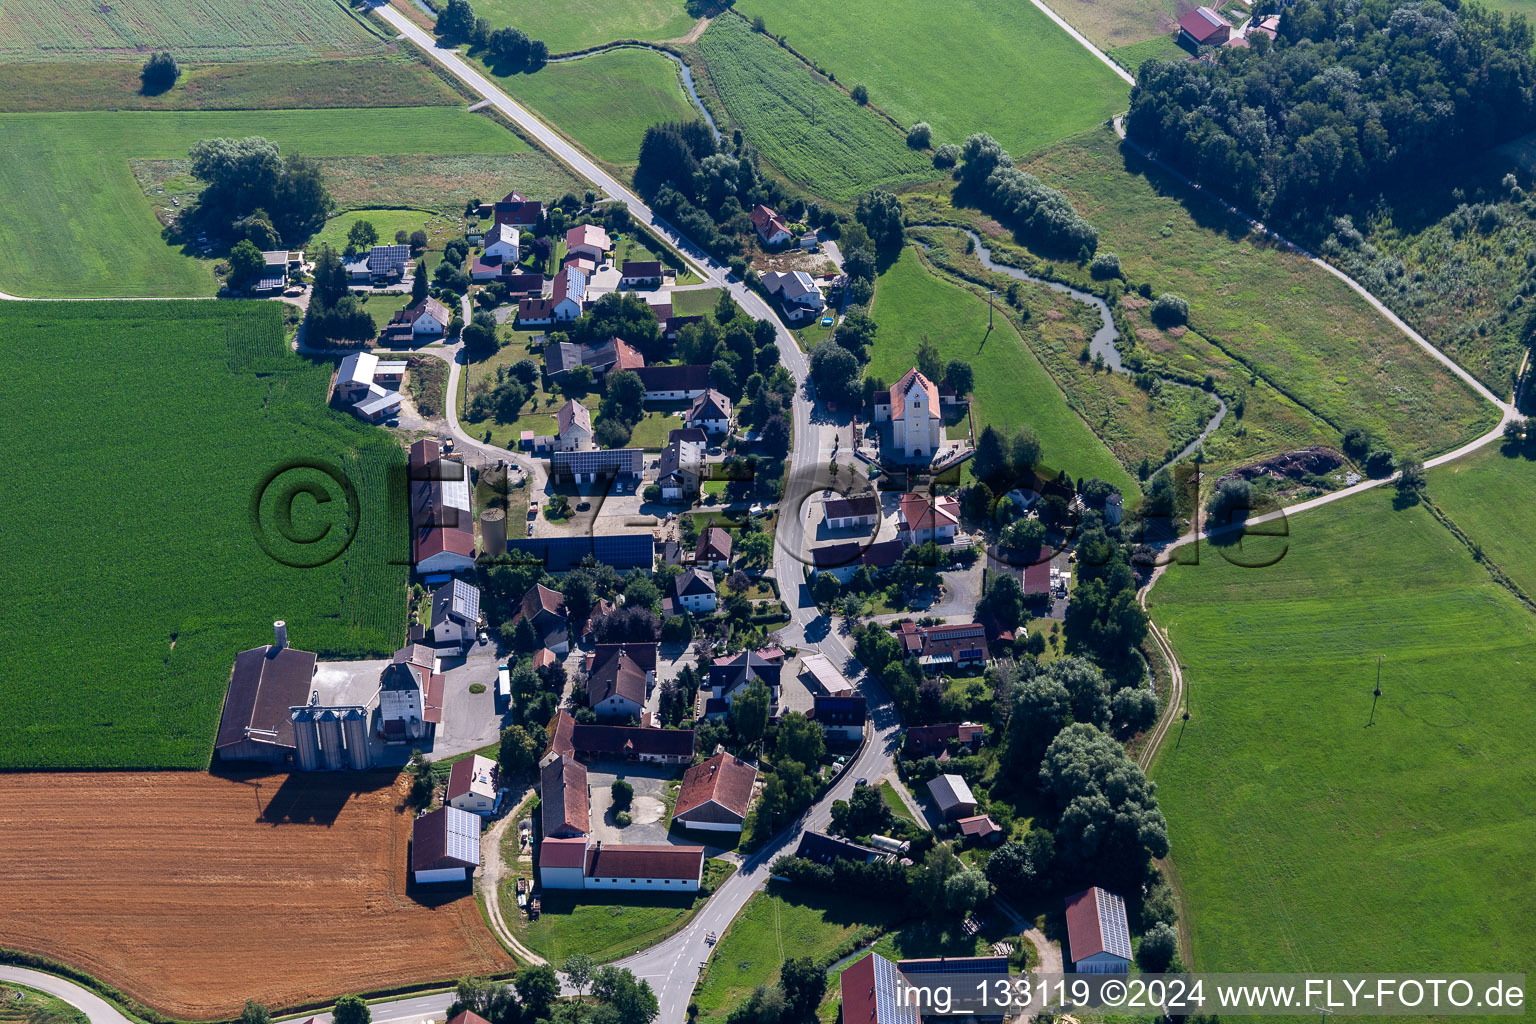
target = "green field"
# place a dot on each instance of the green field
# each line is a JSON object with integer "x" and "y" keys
{"x": 1294, "y": 325}
{"x": 379, "y": 81}
{"x": 1486, "y": 494}
{"x": 812, "y": 132}
{"x": 605, "y": 102}
{"x": 133, "y": 560}
{"x": 578, "y": 24}
{"x": 194, "y": 30}
{"x": 385, "y": 222}
{"x": 80, "y": 225}
{"x": 1159, "y": 47}
{"x": 1306, "y": 838}
{"x": 537, "y": 414}
{"x": 1012, "y": 388}
{"x": 950, "y": 71}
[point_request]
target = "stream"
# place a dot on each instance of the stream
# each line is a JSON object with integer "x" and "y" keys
{"x": 1103, "y": 341}
{"x": 682, "y": 67}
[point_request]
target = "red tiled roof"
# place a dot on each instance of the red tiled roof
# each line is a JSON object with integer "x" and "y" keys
{"x": 901, "y": 387}
{"x": 724, "y": 778}
{"x": 767, "y": 221}
{"x": 640, "y": 861}
{"x": 714, "y": 545}
{"x": 1085, "y": 932}
{"x": 920, "y": 512}
{"x": 563, "y": 796}
{"x": 1202, "y": 23}
{"x": 980, "y": 826}
{"x": 563, "y": 853}
{"x": 857, "y": 983}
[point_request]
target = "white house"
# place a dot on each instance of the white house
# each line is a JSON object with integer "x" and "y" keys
{"x": 619, "y": 677}
{"x": 673, "y": 383}
{"x": 503, "y": 242}
{"x": 640, "y": 274}
{"x": 713, "y": 551}
{"x": 715, "y": 795}
{"x": 573, "y": 425}
{"x": 584, "y": 863}
{"x": 860, "y": 512}
{"x": 455, "y": 615}
{"x": 696, "y": 592}
{"x": 679, "y": 469}
{"x": 410, "y": 695}
{"x": 472, "y": 785}
{"x": 1098, "y": 935}
{"x": 587, "y": 240}
{"x": 427, "y": 318}
{"x": 710, "y": 412}
{"x": 912, "y": 408}
{"x": 797, "y": 292}
{"x": 921, "y": 518}
{"x": 568, "y": 294}
{"x": 771, "y": 228}
{"x": 445, "y": 846}
{"x": 355, "y": 376}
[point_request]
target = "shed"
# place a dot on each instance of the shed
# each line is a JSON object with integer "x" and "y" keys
{"x": 445, "y": 846}
{"x": 953, "y": 796}
{"x": 1098, "y": 935}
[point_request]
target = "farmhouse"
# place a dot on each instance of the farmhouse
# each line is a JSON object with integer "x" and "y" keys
{"x": 1098, "y": 935}
{"x": 797, "y": 292}
{"x": 273, "y": 276}
{"x": 593, "y": 465}
{"x": 545, "y": 608}
{"x": 567, "y": 295}
{"x": 472, "y": 785}
{"x": 601, "y": 357}
{"x": 659, "y": 746}
{"x": 871, "y": 987}
{"x": 841, "y": 717}
{"x": 564, "y": 797}
{"x": 442, "y": 524}
{"x": 923, "y": 517}
{"x": 715, "y": 794}
{"x": 947, "y": 646}
{"x": 640, "y": 274}
{"x": 445, "y": 846}
{"x": 518, "y": 212}
{"x": 912, "y": 408}
{"x": 587, "y": 240}
{"x": 714, "y": 548}
{"x": 563, "y": 863}
{"x": 953, "y": 796}
{"x": 710, "y": 412}
{"x": 370, "y": 386}
{"x": 771, "y": 228}
{"x": 673, "y": 383}
{"x": 264, "y": 684}
{"x": 428, "y": 318}
{"x": 411, "y": 696}
{"x": 651, "y": 868}
{"x": 455, "y": 615}
{"x": 679, "y": 469}
{"x": 860, "y": 512}
{"x": 695, "y": 591}
{"x": 1204, "y": 27}
{"x": 573, "y": 428}
{"x": 503, "y": 245}
{"x": 618, "y": 678}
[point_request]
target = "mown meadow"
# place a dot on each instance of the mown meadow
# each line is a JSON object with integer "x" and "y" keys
{"x": 815, "y": 134}
{"x": 133, "y": 572}
{"x": 1309, "y": 833}
{"x": 578, "y": 24}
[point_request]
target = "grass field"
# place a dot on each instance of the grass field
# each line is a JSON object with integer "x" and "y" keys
{"x": 386, "y": 223}
{"x": 537, "y": 414}
{"x": 1306, "y": 838}
{"x": 895, "y": 803}
{"x": 578, "y": 24}
{"x": 812, "y": 132}
{"x": 192, "y": 921}
{"x": 1159, "y": 47}
{"x": 946, "y": 70}
{"x": 194, "y": 30}
{"x": 605, "y": 102}
{"x": 1122, "y": 23}
{"x": 172, "y": 417}
{"x": 1486, "y": 494}
{"x": 1012, "y": 388}
{"x": 22, "y": 1005}
{"x": 79, "y": 224}
{"x": 378, "y": 81}
{"x": 1294, "y": 325}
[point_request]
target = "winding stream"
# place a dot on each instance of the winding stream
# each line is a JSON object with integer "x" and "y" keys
{"x": 682, "y": 67}
{"x": 1103, "y": 341}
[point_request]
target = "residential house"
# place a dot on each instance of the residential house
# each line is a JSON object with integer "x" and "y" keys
{"x": 483, "y": 270}
{"x": 518, "y": 212}
{"x": 411, "y": 696}
{"x": 503, "y": 245}
{"x": 601, "y": 357}
{"x": 872, "y": 991}
{"x": 695, "y": 591}
{"x": 472, "y": 785}
{"x": 912, "y": 408}
{"x": 619, "y": 676}
{"x": 1204, "y": 27}
{"x": 840, "y": 560}
{"x": 679, "y": 469}
{"x": 1114, "y": 509}
{"x": 882, "y": 554}
{"x": 715, "y": 794}
{"x": 573, "y": 428}
{"x": 953, "y": 796}
{"x": 545, "y": 608}
{"x": 729, "y": 675}
{"x": 1098, "y": 935}
{"x": 922, "y": 740}
{"x": 442, "y": 523}
{"x": 455, "y": 616}
{"x": 384, "y": 264}
{"x": 445, "y": 846}
{"x": 428, "y": 318}
{"x": 568, "y": 293}
{"x": 944, "y": 646}
{"x": 634, "y": 548}
{"x": 710, "y": 412}
{"x": 673, "y": 383}
{"x": 841, "y": 717}
{"x": 587, "y": 240}
{"x": 922, "y": 517}
{"x": 594, "y": 465}
{"x": 796, "y": 292}
{"x": 828, "y": 849}
{"x": 1268, "y": 25}
{"x": 674, "y": 325}
{"x": 980, "y": 830}
{"x": 631, "y": 743}
{"x": 860, "y": 512}
{"x": 714, "y": 548}
{"x": 564, "y": 797}
{"x": 361, "y": 383}
{"x": 264, "y": 683}
{"x": 273, "y": 276}
{"x": 521, "y": 284}
{"x": 640, "y": 274}
{"x": 771, "y": 228}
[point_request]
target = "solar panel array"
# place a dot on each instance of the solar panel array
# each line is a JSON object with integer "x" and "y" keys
{"x": 623, "y": 461}
{"x": 1112, "y": 925}
{"x": 463, "y": 830}
{"x": 889, "y": 1008}
{"x": 956, "y": 965}
{"x": 388, "y": 259}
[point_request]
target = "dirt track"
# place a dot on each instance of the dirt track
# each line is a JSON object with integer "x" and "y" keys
{"x": 193, "y": 892}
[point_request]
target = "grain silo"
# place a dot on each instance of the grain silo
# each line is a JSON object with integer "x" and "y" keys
{"x": 330, "y": 740}
{"x": 354, "y": 726}
{"x": 493, "y": 532}
{"x": 305, "y": 740}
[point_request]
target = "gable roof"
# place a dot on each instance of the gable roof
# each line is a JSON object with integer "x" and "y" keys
{"x": 502, "y": 232}
{"x": 711, "y": 405}
{"x": 587, "y": 234}
{"x": 445, "y": 838}
{"x": 673, "y": 378}
{"x": 979, "y": 826}
{"x": 563, "y": 805}
{"x": 950, "y": 791}
{"x": 902, "y": 388}
{"x": 644, "y": 861}
{"x": 1202, "y": 23}
{"x": 714, "y": 544}
{"x": 869, "y": 990}
{"x": 570, "y": 283}
{"x": 840, "y": 709}
{"x": 357, "y": 368}
{"x": 540, "y": 598}
{"x": 573, "y": 414}
{"x": 641, "y": 268}
{"x": 922, "y": 512}
{"x": 695, "y": 582}
{"x": 824, "y": 848}
{"x": 264, "y": 684}
{"x": 767, "y": 221}
{"x": 857, "y": 507}
{"x": 563, "y": 853}
{"x": 616, "y": 672}
{"x": 473, "y": 774}
{"x": 457, "y": 599}
{"x": 1096, "y": 924}
{"x": 724, "y": 779}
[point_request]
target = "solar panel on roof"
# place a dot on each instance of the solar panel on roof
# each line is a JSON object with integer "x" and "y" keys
{"x": 463, "y": 830}
{"x": 1112, "y": 924}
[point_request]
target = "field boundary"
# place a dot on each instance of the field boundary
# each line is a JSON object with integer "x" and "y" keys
{"x": 1474, "y": 549}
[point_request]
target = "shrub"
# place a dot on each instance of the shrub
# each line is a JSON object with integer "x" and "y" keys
{"x": 1379, "y": 462}
{"x": 1158, "y": 947}
{"x": 919, "y": 135}
{"x": 946, "y": 156}
{"x": 476, "y": 687}
{"x": 623, "y": 794}
{"x": 860, "y": 94}
{"x": 622, "y": 819}
{"x": 1105, "y": 265}
{"x": 1170, "y": 310}
{"x": 160, "y": 72}
{"x": 1231, "y": 495}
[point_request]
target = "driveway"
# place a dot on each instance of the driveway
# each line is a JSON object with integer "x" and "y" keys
{"x": 469, "y": 720}
{"x": 648, "y": 811}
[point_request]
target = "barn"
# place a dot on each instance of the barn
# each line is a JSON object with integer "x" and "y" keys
{"x": 265, "y": 684}
{"x": 445, "y": 846}
{"x": 1098, "y": 935}
{"x": 715, "y": 794}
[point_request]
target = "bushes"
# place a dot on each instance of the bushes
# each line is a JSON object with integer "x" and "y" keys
{"x": 623, "y": 794}
{"x": 1105, "y": 266}
{"x": 919, "y": 135}
{"x": 160, "y": 73}
{"x": 1023, "y": 202}
{"x": 860, "y": 94}
{"x": 946, "y": 156}
{"x": 1170, "y": 310}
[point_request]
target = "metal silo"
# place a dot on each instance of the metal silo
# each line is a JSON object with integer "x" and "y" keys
{"x": 306, "y": 741}
{"x": 330, "y": 740}
{"x": 354, "y": 725}
{"x": 493, "y": 532}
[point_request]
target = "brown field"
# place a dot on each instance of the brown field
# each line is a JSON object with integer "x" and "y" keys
{"x": 192, "y": 892}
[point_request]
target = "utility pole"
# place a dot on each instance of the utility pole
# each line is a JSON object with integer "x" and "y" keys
{"x": 1376, "y": 695}
{"x": 990, "y": 292}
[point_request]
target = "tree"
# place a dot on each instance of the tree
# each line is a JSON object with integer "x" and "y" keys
{"x": 864, "y": 813}
{"x": 930, "y": 878}
{"x": 623, "y": 397}
{"x": 633, "y": 1001}
{"x": 1110, "y": 821}
{"x": 835, "y": 372}
{"x": 245, "y": 263}
{"x": 965, "y": 890}
{"x": 1105, "y": 265}
{"x": 579, "y": 969}
{"x": 1169, "y": 310}
{"x": 919, "y": 135}
{"x": 420, "y": 282}
{"x": 362, "y": 235}
{"x": 880, "y": 213}
{"x": 1042, "y": 707}
{"x": 764, "y": 1005}
{"x": 456, "y": 21}
{"x": 1132, "y": 710}
{"x": 576, "y": 382}
{"x": 749, "y": 713}
{"x": 1014, "y": 869}
{"x": 1004, "y": 598}
{"x": 959, "y": 376}
{"x": 801, "y": 739}
{"x": 1087, "y": 688}
{"x": 860, "y": 94}
{"x": 776, "y": 437}
{"x": 489, "y": 999}
{"x": 804, "y": 982}
{"x": 538, "y": 987}
{"x": 1023, "y": 534}
{"x": 722, "y": 377}
{"x": 623, "y": 794}
{"x": 479, "y": 334}
{"x": 1024, "y": 452}
{"x": 990, "y": 463}
{"x": 1232, "y": 496}
{"x": 1159, "y": 945}
{"x": 351, "y": 1010}
{"x": 946, "y": 156}
{"x": 159, "y": 73}
{"x": 255, "y": 1013}
{"x": 247, "y": 177}
{"x": 1410, "y": 477}
{"x": 519, "y": 751}
{"x": 929, "y": 362}
{"x": 330, "y": 279}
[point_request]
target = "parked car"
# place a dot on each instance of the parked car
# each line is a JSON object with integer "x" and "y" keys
{"x": 583, "y": 506}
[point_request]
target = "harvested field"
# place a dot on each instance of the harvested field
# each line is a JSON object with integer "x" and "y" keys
{"x": 193, "y": 892}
